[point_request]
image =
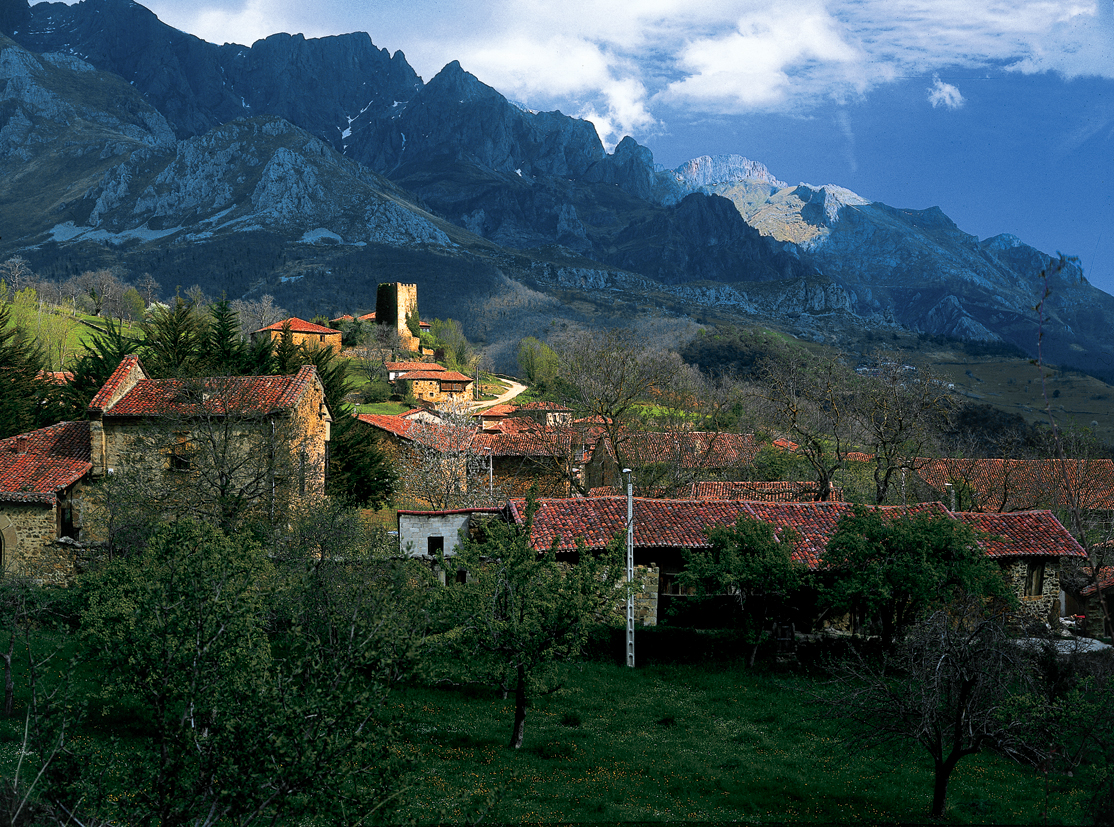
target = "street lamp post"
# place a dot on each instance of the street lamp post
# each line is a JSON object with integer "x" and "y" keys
{"x": 630, "y": 569}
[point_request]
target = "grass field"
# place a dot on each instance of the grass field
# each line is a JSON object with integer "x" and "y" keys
{"x": 713, "y": 743}
{"x": 705, "y": 743}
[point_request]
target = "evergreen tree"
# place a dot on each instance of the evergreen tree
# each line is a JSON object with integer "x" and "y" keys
{"x": 226, "y": 354}
{"x": 102, "y": 356}
{"x": 359, "y": 472}
{"x": 175, "y": 341}
{"x": 23, "y": 390}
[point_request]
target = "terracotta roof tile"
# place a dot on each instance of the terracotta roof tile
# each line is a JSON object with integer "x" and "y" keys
{"x": 692, "y": 449}
{"x": 213, "y": 395}
{"x": 524, "y": 444}
{"x": 1022, "y": 534}
{"x": 36, "y": 465}
{"x": 299, "y": 326}
{"x": 682, "y": 524}
{"x": 1021, "y": 484}
{"x": 779, "y": 491}
{"x": 128, "y": 365}
{"x": 408, "y": 366}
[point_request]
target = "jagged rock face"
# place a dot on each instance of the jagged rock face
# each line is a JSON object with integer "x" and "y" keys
{"x": 709, "y": 174}
{"x": 702, "y": 238}
{"x": 455, "y": 117}
{"x": 316, "y": 84}
{"x": 90, "y": 157}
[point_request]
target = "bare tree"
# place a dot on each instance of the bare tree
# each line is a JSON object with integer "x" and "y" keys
{"x": 607, "y": 376}
{"x": 440, "y": 466}
{"x": 898, "y": 412}
{"x": 952, "y": 688}
{"x": 812, "y": 401}
{"x": 16, "y": 273}
{"x": 258, "y": 313}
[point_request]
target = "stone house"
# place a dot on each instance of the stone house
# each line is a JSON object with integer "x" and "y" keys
{"x": 1029, "y": 546}
{"x": 438, "y": 386}
{"x": 301, "y": 333}
{"x": 263, "y": 434}
{"x": 43, "y": 476}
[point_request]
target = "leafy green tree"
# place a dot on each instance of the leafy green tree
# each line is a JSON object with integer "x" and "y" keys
{"x": 748, "y": 561}
{"x": 892, "y": 571}
{"x": 132, "y": 305}
{"x": 229, "y": 732}
{"x": 538, "y": 362}
{"x": 521, "y": 612}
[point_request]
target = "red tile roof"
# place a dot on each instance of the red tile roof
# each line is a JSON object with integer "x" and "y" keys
{"x": 347, "y": 317}
{"x": 525, "y": 444}
{"x": 36, "y": 465}
{"x": 691, "y": 449}
{"x": 367, "y": 317}
{"x": 779, "y": 491}
{"x": 409, "y": 366}
{"x": 1106, "y": 581}
{"x": 222, "y": 395}
{"x": 55, "y": 377}
{"x": 1024, "y": 484}
{"x": 128, "y": 370}
{"x": 433, "y": 434}
{"x": 1022, "y": 533}
{"x": 440, "y": 376}
{"x": 299, "y": 326}
{"x": 682, "y": 524}
{"x": 396, "y": 425}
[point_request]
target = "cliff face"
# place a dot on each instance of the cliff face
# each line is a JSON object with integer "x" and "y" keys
{"x": 116, "y": 127}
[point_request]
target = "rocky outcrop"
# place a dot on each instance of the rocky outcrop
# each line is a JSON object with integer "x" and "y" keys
{"x": 323, "y": 85}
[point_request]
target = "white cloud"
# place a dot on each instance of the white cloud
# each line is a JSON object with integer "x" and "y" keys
{"x": 615, "y": 60}
{"x": 944, "y": 94}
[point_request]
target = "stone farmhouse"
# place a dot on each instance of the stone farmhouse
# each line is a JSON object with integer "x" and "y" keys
{"x": 301, "y": 333}
{"x": 1029, "y": 546}
{"x": 437, "y": 386}
{"x": 43, "y": 475}
{"x": 165, "y": 427}
{"x": 190, "y": 418}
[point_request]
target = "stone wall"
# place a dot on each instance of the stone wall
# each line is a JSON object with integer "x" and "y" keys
{"x": 393, "y": 303}
{"x": 29, "y": 534}
{"x": 646, "y": 600}
{"x": 1035, "y": 608}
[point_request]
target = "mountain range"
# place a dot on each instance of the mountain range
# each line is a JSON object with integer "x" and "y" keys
{"x": 312, "y": 169}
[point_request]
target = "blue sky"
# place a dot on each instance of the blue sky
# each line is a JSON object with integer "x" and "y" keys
{"x": 1000, "y": 112}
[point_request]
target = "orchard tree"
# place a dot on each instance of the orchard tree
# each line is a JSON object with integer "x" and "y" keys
{"x": 891, "y": 570}
{"x": 956, "y": 685}
{"x": 228, "y": 731}
{"x": 752, "y": 564}
{"x": 521, "y": 613}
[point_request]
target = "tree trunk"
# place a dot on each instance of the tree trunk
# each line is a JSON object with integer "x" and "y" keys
{"x": 9, "y": 683}
{"x": 940, "y": 784}
{"x": 519, "y": 709}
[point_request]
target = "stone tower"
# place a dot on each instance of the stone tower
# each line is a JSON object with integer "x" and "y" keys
{"x": 394, "y": 304}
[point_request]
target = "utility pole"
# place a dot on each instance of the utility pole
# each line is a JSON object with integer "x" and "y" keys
{"x": 630, "y": 569}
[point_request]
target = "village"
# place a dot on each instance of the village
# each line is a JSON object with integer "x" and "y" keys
{"x": 456, "y": 475}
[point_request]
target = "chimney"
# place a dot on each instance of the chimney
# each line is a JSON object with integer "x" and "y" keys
{"x": 20, "y": 445}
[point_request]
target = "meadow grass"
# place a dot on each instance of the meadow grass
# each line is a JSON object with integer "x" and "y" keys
{"x": 706, "y": 743}
{"x": 690, "y": 743}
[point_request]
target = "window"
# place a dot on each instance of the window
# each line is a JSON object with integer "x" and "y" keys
{"x": 1034, "y": 579}
{"x": 302, "y": 472}
{"x": 435, "y": 546}
{"x": 180, "y": 452}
